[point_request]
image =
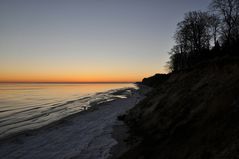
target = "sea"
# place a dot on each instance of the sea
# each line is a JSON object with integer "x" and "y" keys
{"x": 28, "y": 106}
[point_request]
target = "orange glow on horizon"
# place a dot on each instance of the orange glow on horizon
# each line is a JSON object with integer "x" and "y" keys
{"x": 97, "y": 77}
{"x": 69, "y": 78}
{"x": 66, "y": 73}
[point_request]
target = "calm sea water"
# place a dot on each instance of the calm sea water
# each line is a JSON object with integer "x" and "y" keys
{"x": 30, "y": 106}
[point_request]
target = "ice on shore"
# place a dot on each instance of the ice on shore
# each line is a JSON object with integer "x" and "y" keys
{"x": 84, "y": 136}
{"x": 36, "y": 116}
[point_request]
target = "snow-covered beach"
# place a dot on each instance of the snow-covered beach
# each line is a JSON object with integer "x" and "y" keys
{"x": 86, "y": 135}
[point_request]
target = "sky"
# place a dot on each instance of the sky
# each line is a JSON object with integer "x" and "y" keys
{"x": 88, "y": 40}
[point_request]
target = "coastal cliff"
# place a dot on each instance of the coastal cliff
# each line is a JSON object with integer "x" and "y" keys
{"x": 193, "y": 114}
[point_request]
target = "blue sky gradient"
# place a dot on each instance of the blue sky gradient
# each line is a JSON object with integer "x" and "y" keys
{"x": 80, "y": 40}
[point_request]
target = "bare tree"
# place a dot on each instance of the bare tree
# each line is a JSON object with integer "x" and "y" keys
{"x": 228, "y": 10}
{"x": 193, "y": 33}
{"x": 198, "y": 30}
{"x": 215, "y": 28}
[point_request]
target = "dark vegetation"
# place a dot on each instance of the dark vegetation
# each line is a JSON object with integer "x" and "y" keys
{"x": 193, "y": 112}
{"x": 206, "y": 35}
{"x": 155, "y": 80}
{"x": 191, "y": 115}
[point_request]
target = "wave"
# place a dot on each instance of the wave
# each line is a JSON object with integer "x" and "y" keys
{"x": 32, "y": 117}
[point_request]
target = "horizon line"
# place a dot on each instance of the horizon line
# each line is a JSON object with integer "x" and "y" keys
{"x": 25, "y": 82}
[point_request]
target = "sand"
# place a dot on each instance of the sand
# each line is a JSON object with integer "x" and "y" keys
{"x": 86, "y": 135}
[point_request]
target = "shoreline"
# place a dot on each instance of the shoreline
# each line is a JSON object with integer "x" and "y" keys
{"x": 192, "y": 114}
{"x": 92, "y": 106}
{"x": 121, "y": 131}
{"x": 50, "y": 125}
{"x": 121, "y": 134}
{"x": 102, "y": 116}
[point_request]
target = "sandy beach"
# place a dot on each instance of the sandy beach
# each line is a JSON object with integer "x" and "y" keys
{"x": 86, "y": 135}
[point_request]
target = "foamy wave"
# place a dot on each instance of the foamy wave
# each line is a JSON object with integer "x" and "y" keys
{"x": 32, "y": 117}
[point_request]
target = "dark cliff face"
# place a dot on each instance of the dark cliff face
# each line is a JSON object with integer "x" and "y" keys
{"x": 190, "y": 115}
{"x": 155, "y": 80}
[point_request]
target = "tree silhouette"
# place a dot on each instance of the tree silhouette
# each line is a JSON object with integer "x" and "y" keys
{"x": 228, "y": 11}
{"x": 196, "y": 33}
